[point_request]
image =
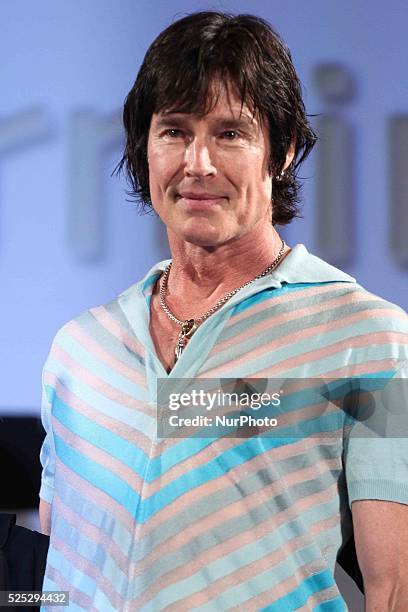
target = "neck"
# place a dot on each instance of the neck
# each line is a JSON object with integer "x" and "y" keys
{"x": 200, "y": 276}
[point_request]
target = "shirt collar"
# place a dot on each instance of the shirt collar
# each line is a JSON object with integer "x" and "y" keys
{"x": 299, "y": 266}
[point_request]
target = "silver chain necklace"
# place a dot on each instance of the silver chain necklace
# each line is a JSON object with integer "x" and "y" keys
{"x": 189, "y": 326}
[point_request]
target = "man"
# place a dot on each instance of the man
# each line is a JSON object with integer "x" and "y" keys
{"x": 216, "y": 129}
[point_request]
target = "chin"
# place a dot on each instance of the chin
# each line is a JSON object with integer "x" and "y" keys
{"x": 203, "y": 241}
{"x": 202, "y": 234}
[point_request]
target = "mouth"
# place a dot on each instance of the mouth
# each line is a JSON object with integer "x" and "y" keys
{"x": 199, "y": 200}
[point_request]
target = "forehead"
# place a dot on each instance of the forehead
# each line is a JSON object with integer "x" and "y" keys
{"x": 222, "y": 102}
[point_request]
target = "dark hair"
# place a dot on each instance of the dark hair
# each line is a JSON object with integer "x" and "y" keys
{"x": 179, "y": 71}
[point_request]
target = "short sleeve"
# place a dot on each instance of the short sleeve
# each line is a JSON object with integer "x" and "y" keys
{"x": 377, "y": 467}
{"x": 47, "y": 453}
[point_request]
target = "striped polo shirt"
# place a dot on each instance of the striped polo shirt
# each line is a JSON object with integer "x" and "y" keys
{"x": 145, "y": 523}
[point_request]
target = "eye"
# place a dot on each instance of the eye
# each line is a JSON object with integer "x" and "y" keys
{"x": 173, "y": 133}
{"x": 230, "y": 134}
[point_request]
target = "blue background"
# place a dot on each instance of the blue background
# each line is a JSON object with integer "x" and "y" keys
{"x": 59, "y": 60}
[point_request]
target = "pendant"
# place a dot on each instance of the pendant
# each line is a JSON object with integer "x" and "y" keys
{"x": 187, "y": 330}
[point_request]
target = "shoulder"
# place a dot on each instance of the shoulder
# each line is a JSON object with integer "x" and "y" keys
{"x": 366, "y": 332}
{"x": 113, "y": 316}
{"x": 329, "y": 285}
{"x": 377, "y": 329}
{"x": 378, "y": 312}
{"x": 92, "y": 320}
{"x": 343, "y": 303}
{"x": 98, "y": 330}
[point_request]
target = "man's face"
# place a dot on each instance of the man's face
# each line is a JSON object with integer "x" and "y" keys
{"x": 209, "y": 180}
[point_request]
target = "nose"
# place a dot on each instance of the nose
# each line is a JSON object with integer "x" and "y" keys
{"x": 198, "y": 159}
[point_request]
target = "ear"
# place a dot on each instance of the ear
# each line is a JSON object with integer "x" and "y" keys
{"x": 290, "y": 155}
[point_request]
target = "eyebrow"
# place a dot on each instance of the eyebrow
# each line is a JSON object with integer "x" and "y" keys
{"x": 179, "y": 119}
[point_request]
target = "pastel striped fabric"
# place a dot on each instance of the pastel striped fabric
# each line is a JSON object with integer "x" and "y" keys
{"x": 141, "y": 523}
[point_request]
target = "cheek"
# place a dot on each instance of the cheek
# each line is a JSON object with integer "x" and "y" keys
{"x": 162, "y": 169}
{"x": 250, "y": 174}
{"x": 255, "y": 185}
{"x": 249, "y": 168}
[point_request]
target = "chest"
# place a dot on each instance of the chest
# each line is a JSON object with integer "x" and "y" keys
{"x": 164, "y": 334}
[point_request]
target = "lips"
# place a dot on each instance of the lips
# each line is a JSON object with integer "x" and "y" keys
{"x": 192, "y": 195}
{"x": 199, "y": 201}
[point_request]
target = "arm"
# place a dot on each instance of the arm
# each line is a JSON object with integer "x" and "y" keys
{"x": 45, "y": 517}
{"x": 381, "y": 536}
